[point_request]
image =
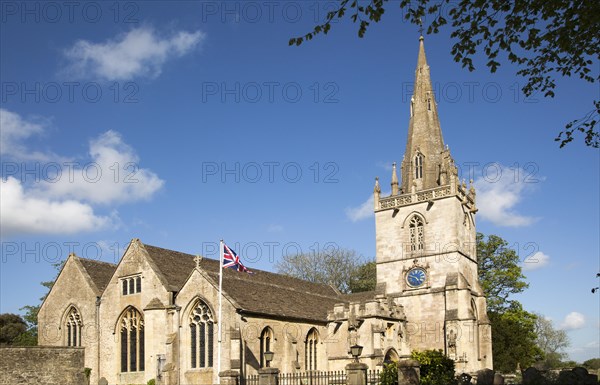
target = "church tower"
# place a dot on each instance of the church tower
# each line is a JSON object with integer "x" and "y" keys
{"x": 425, "y": 240}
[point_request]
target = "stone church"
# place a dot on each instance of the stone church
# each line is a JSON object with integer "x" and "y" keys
{"x": 154, "y": 314}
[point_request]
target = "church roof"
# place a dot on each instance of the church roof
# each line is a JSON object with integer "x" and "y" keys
{"x": 259, "y": 293}
{"x": 360, "y": 296}
{"x": 173, "y": 265}
{"x": 100, "y": 272}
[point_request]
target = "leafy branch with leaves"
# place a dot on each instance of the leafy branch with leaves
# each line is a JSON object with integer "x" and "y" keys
{"x": 545, "y": 38}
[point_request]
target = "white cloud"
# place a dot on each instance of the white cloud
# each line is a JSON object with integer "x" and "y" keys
{"x": 64, "y": 201}
{"x": 500, "y": 191}
{"x": 23, "y": 213}
{"x": 14, "y": 130}
{"x": 573, "y": 320}
{"x": 138, "y": 53}
{"x": 363, "y": 211}
{"x": 535, "y": 261}
{"x": 112, "y": 175}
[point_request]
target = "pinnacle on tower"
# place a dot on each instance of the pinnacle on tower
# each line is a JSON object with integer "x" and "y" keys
{"x": 394, "y": 180}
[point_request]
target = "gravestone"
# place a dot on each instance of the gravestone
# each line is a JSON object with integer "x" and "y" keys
{"x": 498, "y": 379}
{"x": 584, "y": 377}
{"x": 532, "y": 376}
{"x": 485, "y": 377}
{"x": 567, "y": 377}
{"x": 102, "y": 381}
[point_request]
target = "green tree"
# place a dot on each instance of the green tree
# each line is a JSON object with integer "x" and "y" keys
{"x": 12, "y": 326}
{"x": 500, "y": 275}
{"x": 544, "y": 38}
{"x": 514, "y": 338}
{"x": 436, "y": 368}
{"x": 333, "y": 266}
{"x": 551, "y": 342}
{"x": 364, "y": 278}
{"x": 593, "y": 363}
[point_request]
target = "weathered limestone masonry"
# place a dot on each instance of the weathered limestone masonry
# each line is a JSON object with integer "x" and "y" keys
{"x": 42, "y": 365}
{"x": 425, "y": 241}
{"x": 154, "y": 315}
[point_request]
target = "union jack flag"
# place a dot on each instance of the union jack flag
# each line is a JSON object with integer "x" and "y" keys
{"x": 231, "y": 260}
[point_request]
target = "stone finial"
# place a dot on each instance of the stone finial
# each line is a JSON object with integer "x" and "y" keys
{"x": 198, "y": 259}
{"x": 377, "y": 189}
{"x": 394, "y": 180}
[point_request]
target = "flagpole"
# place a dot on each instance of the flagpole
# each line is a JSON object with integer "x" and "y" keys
{"x": 220, "y": 310}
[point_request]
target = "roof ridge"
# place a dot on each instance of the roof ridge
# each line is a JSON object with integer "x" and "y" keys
{"x": 263, "y": 292}
{"x": 95, "y": 261}
{"x": 334, "y": 294}
{"x": 253, "y": 269}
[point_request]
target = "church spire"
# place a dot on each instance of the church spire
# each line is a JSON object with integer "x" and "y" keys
{"x": 422, "y": 162}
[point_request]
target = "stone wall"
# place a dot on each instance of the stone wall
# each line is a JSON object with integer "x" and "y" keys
{"x": 42, "y": 365}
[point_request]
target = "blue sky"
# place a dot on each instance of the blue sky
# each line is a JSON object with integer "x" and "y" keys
{"x": 212, "y": 127}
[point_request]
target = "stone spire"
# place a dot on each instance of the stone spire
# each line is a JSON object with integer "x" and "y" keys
{"x": 394, "y": 180}
{"x": 422, "y": 163}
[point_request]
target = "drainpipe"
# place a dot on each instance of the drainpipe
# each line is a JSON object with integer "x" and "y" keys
{"x": 98, "y": 337}
{"x": 444, "y": 328}
{"x": 178, "y": 315}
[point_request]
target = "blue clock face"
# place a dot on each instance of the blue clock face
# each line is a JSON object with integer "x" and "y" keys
{"x": 415, "y": 277}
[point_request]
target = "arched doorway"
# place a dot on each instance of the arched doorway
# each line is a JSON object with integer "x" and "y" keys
{"x": 391, "y": 356}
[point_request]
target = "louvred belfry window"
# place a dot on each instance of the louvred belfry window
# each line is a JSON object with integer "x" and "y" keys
{"x": 417, "y": 233}
{"x": 419, "y": 166}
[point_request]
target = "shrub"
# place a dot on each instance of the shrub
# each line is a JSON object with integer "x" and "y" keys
{"x": 389, "y": 374}
{"x": 436, "y": 368}
{"x": 151, "y": 382}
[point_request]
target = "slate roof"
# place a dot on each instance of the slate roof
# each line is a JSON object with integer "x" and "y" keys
{"x": 174, "y": 265}
{"x": 360, "y": 297}
{"x": 260, "y": 293}
{"x": 100, "y": 272}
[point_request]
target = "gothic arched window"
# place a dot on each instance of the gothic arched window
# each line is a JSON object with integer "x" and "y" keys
{"x": 417, "y": 233}
{"x": 132, "y": 341}
{"x": 419, "y": 166}
{"x": 310, "y": 349}
{"x": 202, "y": 336}
{"x": 73, "y": 327}
{"x": 266, "y": 345}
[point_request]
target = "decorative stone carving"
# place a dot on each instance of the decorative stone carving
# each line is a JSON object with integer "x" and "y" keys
{"x": 451, "y": 343}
